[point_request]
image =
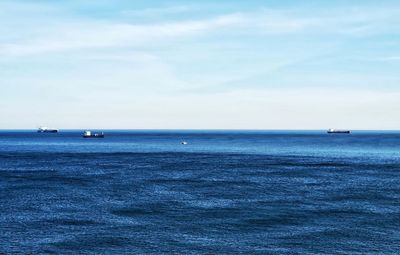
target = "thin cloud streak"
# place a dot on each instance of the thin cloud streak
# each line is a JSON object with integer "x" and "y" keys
{"x": 156, "y": 11}
{"x": 86, "y": 34}
{"x": 392, "y": 58}
{"x": 83, "y": 36}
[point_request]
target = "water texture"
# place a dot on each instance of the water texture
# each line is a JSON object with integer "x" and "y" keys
{"x": 225, "y": 192}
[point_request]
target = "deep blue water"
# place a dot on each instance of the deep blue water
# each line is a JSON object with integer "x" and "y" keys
{"x": 226, "y": 192}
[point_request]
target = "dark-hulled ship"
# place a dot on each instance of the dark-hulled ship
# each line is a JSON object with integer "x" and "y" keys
{"x": 47, "y": 130}
{"x": 336, "y": 131}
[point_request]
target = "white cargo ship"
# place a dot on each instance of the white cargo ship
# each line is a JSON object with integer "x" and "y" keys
{"x": 89, "y": 134}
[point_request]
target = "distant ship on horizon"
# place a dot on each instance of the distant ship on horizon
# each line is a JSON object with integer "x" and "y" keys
{"x": 89, "y": 134}
{"x": 47, "y": 130}
{"x": 336, "y": 131}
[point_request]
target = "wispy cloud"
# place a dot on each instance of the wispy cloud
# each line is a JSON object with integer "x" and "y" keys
{"x": 97, "y": 34}
{"x": 156, "y": 11}
{"x": 391, "y": 58}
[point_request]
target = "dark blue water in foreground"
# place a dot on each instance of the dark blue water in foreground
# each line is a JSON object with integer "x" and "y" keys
{"x": 226, "y": 192}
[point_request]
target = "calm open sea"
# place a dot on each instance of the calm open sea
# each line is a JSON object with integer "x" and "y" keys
{"x": 225, "y": 192}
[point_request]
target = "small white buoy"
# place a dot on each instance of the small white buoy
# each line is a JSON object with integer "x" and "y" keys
{"x": 184, "y": 142}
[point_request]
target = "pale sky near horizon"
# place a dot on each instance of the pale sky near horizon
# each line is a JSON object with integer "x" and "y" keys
{"x": 200, "y": 64}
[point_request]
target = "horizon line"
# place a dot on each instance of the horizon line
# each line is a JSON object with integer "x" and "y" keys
{"x": 196, "y": 129}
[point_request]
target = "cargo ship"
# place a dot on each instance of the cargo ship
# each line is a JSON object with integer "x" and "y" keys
{"x": 89, "y": 134}
{"x": 336, "y": 131}
{"x": 47, "y": 130}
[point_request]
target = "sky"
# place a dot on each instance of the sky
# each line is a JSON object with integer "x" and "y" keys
{"x": 271, "y": 64}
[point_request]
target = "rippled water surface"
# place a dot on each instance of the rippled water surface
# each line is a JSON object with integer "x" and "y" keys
{"x": 225, "y": 192}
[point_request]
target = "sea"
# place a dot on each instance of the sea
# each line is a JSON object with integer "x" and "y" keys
{"x": 224, "y": 192}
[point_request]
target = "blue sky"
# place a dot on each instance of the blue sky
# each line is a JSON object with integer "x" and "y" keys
{"x": 200, "y": 64}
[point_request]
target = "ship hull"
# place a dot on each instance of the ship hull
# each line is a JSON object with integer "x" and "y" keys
{"x": 93, "y": 136}
{"x": 47, "y": 131}
{"x": 339, "y": 132}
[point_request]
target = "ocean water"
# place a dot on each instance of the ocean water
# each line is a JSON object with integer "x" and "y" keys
{"x": 225, "y": 192}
